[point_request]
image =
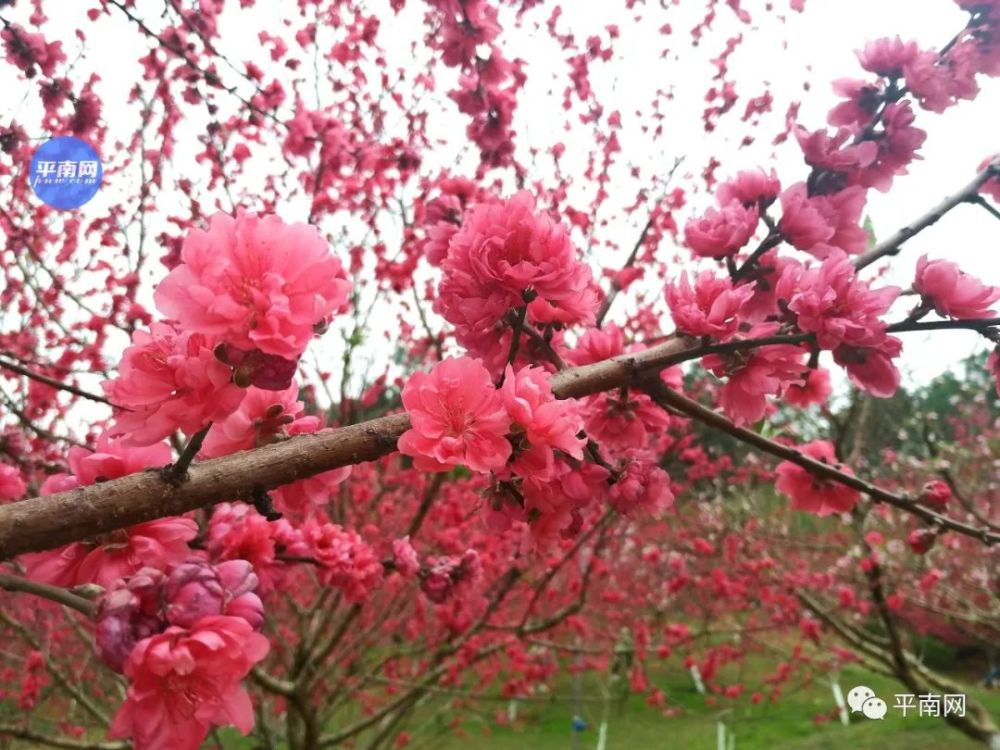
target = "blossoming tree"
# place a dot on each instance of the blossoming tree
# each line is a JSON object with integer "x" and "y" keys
{"x": 331, "y": 413}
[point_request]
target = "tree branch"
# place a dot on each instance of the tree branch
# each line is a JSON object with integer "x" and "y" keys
{"x": 891, "y": 245}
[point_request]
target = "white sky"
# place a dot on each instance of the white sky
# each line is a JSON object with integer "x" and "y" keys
{"x": 816, "y": 46}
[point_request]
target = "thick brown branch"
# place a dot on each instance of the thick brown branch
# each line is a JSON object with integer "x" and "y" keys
{"x": 52, "y": 521}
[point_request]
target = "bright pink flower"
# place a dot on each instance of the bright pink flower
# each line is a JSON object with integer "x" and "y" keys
{"x": 506, "y": 256}
{"x": 887, "y": 57}
{"x": 597, "y": 344}
{"x": 641, "y": 487}
{"x": 262, "y": 417}
{"x": 751, "y": 188}
{"x": 756, "y": 374}
{"x": 457, "y": 417}
{"x": 823, "y": 223}
{"x": 183, "y": 682}
{"x": 810, "y": 492}
{"x": 236, "y": 531}
{"x": 623, "y": 424}
{"x": 155, "y": 544}
{"x": 255, "y": 283}
{"x": 831, "y": 302}
{"x": 815, "y": 390}
{"x": 870, "y": 367}
{"x": 930, "y": 81}
{"x": 345, "y": 560}
{"x": 114, "y": 459}
{"x": 897, "y": 147}
{"x": 543, "y": 423}
{"x": 169, "y": 381}
{"x": 721, "y": 232}
{"x": 952, "y": 292}
{"x": 710, "y": 308}
{"x": 838, "y": 153}
{"x": 405, "y": 558}
{"x": 12, "y": 487}
{"x": 25, "y": 50}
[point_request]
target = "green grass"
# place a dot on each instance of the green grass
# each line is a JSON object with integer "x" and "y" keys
{"x": 784, "y": 725}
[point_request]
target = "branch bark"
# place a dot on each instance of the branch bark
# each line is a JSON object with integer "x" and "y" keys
{"x": 47, "y": 522}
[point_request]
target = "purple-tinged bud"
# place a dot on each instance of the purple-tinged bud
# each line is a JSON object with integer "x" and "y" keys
{"x": 193, "y": 591}
{"x": 132, "y": 609}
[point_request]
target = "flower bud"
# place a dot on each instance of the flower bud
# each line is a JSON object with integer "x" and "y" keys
{"x": 921, "y": 540}
{"x": 128, "y": 612}
{"x": 936, "y": 494}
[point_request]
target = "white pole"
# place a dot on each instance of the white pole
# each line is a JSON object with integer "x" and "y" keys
{"x": 696, "y": 676}
{"x": 838, "y": 696}
{"x": 602, "y": 736}
{"x": 512, "y": 711}
{"x": 720, "y": 736}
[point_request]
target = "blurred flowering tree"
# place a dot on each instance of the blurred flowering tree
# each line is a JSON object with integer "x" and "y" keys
{"x": 319, "y": 409}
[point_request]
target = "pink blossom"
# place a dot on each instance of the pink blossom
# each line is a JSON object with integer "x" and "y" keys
{"x": 114, "y": 458}
{"x": 721, "y": 232}
{"x": 155, "y": 544}
{"x": 236, "y": 531}
{"x": 543, "y": 423}
{"x": 754, "y": 375}
{"x": 887, "y": 57}
{"x": 262, "y": 416}
{"x": 831, "y": 302}
{"x": 346, "y": 561}
{"x": 169, "y": 381}
{"x": 12, "y": 487}
{"x": 25, "y": 50}
{"x": 897, "y": 147}
{"x": 813, "y": 493}
{"x": 870, "y": 367}
{"x": 930, "y": 81}
{"x": 641, "y": 487}
{"x": 255, "y": 283}
{"x": 183, "y": 682}
{"x": 405, "y": 558}
{"x": 623, "y": 422}
{"x": 710, "y": 308}
{"x": 457, "y": 417}
{"x": 815, "y": 390}
{"x": 863, "y": 100}
{"x": 823, "y": 223}
{"x": 506, "y": 256}
{"x": 597, "y": 344}
{"x": 952, "y": 292}
{"x": 751, "y": 188}
{"x": 837, "y": 154}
